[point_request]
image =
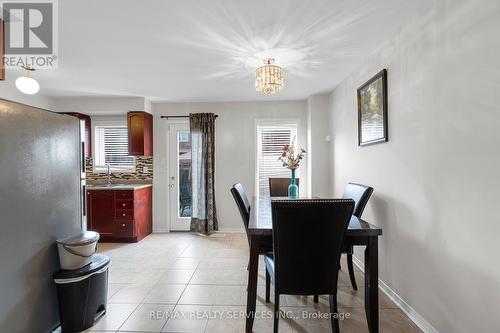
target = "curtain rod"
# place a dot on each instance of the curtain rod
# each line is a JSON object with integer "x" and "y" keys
{"x": 166, "y": 117}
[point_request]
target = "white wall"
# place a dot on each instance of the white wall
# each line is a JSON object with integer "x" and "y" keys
{"x": 436, "y": 181}
{"x": 235, "y": 151}
{"x": 101, "y": 106}
{"x": 318, "y": 147}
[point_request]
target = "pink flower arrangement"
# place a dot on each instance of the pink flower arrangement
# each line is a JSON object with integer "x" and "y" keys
{"x": 289, "y": 158}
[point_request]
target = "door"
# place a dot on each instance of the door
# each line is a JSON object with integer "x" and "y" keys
{"x": 179, "y": 176}
{"x": 101, "y": 204}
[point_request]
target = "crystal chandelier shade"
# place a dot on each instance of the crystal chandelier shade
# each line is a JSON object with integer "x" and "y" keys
{"x": 268, "y": 78}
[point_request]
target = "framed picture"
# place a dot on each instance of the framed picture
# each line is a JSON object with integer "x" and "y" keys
{"x": 372, "y": 110}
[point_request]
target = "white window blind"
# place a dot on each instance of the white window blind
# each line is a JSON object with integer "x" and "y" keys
{"x": 270, "y": 141}
{"x": 111, "y": 147}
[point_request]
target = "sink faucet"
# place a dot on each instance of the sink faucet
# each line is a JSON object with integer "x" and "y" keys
{"x": 109, "y": 174}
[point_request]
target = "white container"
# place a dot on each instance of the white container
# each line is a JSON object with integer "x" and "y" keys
{"x": 77, "y": 251}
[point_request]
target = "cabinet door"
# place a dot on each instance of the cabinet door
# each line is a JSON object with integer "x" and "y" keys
{"x": 102, "y": 212}
{"x": 140, "y": 133}
{"x": 135, "y": 122}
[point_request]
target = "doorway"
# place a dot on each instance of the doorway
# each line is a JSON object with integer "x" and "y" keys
{"x": 180, "y": 199}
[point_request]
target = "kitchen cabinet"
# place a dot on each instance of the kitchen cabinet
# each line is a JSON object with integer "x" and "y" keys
{"x": 101, "y": 212}
{"x": 88, "y": 130}
{"x": 140, "y": 133}
{"x": 120, "y": 215}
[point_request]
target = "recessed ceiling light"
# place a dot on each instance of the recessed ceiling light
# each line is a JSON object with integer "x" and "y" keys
{"x": 26, "y": 84}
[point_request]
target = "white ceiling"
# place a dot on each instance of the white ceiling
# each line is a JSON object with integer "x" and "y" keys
{"x": 206, "y": 50}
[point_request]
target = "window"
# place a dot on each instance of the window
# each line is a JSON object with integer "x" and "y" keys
{"x": 271, "y": 137}
{"x": 184, "y": 137}
{"x": 111, "y": 147}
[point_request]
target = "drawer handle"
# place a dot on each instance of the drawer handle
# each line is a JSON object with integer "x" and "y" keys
{"x": 123, "y": 225}
{"x": 123, "y": 205}
{"x": 123, "y": 214}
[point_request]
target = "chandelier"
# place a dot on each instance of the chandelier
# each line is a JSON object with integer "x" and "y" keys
{"x": 268, "y": 78}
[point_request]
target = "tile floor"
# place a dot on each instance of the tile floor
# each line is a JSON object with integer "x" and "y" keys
{"x": 179, "y": 282}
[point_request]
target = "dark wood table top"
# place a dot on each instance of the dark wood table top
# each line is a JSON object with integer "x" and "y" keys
{"x": 261, "y": 220}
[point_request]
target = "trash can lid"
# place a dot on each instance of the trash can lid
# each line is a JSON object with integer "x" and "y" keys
{"x": 99, "y": 261}
{"x": 84, "y": 237}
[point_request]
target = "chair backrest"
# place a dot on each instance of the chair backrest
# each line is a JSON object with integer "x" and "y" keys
{"x": 242, "y": 202}
{"x": 360, "y": 194}
{"x": 278, "y": 187}
{"x": 307, "y": 241}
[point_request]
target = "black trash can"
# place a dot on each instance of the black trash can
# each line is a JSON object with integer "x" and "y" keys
{"x": 82, "y": 294}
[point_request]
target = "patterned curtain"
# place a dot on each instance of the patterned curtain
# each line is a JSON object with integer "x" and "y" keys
{"x": 204, "y": 216}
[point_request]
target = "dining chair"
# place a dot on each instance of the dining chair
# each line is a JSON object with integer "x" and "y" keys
{"x": 307, "y": 238}
{"x": 360, "y": 194}
{"x": 278, "y": 187}
{"x": 243, "y": 205}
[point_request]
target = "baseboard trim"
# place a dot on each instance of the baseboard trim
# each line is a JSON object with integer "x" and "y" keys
{"x": 221, "y": 231}
{"x": 414, "y": 316}
{"x": 160, "y": 230}
{"x": 230, "y": 231}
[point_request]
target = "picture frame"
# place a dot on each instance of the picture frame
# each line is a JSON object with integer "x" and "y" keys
{"x": 372, "y": 110}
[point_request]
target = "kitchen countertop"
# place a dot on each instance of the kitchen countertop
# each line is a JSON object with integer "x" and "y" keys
{"x": 116, "y": 186}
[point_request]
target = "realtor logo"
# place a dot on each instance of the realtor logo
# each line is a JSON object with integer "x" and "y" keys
{"x": 30, "y": 33}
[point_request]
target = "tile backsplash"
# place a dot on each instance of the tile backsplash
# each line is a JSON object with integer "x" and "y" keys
{"x": 139, "y": 175}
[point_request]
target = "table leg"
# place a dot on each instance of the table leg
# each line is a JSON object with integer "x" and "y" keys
{"x": 253, "y": 269}
{"x": 371, "y": 285}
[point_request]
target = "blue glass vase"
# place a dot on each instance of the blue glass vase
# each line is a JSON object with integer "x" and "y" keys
{"x": 293, "y": 188}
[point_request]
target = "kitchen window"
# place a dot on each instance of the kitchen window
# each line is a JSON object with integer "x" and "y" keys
{"x": 111, "y": 147}
{"x": 271, "y": 137}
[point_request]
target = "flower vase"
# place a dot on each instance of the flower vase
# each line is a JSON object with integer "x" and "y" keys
{"x": 293, "y": 188}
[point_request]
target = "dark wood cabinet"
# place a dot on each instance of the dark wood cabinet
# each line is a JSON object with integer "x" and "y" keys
{"x": 101, "y": 211}
{"x": 140, "y": 133}
{"x": 120, "y": 215}
{"x": 88, "y": 130}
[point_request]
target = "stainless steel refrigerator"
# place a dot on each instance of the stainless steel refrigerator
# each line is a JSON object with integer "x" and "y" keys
{"x": 40, "y": 201}
{"x": 83, "y": 177}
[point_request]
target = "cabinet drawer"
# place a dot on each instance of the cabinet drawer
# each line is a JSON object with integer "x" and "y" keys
{"x": 124, "y": 228}
{"x": 124, "y": 214}
{"x": 124, "y": 194}
{"x": 124, "y": 204}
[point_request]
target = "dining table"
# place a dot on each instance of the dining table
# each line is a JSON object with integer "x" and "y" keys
{"x": 358, "y": 233}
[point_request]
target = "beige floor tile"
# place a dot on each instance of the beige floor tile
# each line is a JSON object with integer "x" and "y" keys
{"x": 224, "y": 263}
{"x": 346, "y": 297}
{"x": 113, "y": 288}
{"x": 185, "y": 263}
{"x": 226, "y": 319}
{"x": 313, "y": 319}
{"x": 164, "y": 293}
{"x": 122, "y": 275}
{"x": 155, "y": 272}
{"x": 130, "y": 294}
{"x": 213, "y": 276}
{"x": 148, "y": 317}
{"x": 345, "y": 281}
{"x": 176, "y": 276}
{"x": 395, "y": 321}
{"x": 231, "y": 295}
{"x": 116, "y": 315}
{"x": 199, "y": 294}
{"x": 188, "y": 318}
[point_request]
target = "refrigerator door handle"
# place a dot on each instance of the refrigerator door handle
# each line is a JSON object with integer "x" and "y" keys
{"x": 84, "y": 200}
{"x": 83, "y": 158}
